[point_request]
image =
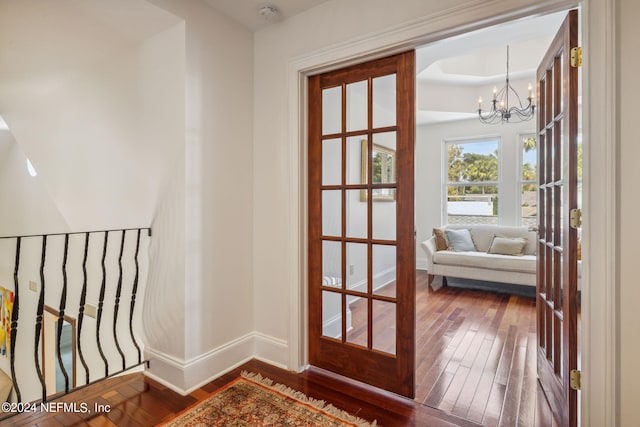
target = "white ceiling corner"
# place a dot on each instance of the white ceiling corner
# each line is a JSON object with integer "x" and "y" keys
{"x": 462, "y": 67}
{"x": 246, "y": 13}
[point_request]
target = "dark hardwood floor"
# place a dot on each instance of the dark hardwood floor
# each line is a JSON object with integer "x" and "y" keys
{"x": 475, "y": 354}
{"x": 136, "y": 400}
{"x": 475, "y": 365}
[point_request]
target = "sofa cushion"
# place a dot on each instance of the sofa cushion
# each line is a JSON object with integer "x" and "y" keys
{"x": 507, "y": 246}
{"x": 460, "y": 240}
{"x": 521, "y": 264}
{"x": 441, "y": 239}
{"x": 482, "y": 235}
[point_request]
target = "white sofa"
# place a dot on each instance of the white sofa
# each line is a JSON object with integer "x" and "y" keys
{"x": 481, "y": 265}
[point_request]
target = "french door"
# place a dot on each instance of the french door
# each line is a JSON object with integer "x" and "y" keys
{"x": 557, "y": 298}
{"x": 361, "y": 222}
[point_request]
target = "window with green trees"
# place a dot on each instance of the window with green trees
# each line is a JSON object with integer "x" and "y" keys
{"x": 528, "y": 180}
{"x": 472, "y": 182}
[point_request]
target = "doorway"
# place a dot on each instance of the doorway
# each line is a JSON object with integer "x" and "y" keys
{"x": 476, "y": 341}
{"x": 600, "y": 301}
{"x": 58, "y": 352}
{"x": 503, "y": 332}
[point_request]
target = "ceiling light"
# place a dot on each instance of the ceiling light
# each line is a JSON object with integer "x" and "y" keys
{"x": 269, "y": 12}
{"x": 501, "y": 111}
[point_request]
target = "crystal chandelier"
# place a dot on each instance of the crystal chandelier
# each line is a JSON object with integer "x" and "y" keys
{"x": 501, "y": 111}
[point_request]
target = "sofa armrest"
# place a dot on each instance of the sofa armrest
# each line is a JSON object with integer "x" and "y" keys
{"x": 429, "y": 247}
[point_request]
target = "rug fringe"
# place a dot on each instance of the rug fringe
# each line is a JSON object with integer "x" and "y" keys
{"x": 316, "y": 403}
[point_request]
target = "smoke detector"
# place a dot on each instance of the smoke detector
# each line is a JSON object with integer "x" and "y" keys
{"x": 269, "y": 12}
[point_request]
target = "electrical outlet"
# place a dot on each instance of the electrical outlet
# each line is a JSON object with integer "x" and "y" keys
{"x": 351, "y": 268}
{"x": 33, "y": 286}
{"x": 90, "y": 310}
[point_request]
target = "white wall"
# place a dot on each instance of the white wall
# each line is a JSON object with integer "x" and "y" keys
{"x": 26, "y": 205}
{"x": 438, "y": 96}
{"x": 97, "y": 98}
{"x": 138, "y": 115}
{"x": 100, "y": 113}
{"x": 629, "y": 205}
{"x": 430, "y": 148}
{"x": 211, "y": 318}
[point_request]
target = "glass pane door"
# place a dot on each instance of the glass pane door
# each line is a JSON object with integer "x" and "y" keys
{"x": 361, "y": 256}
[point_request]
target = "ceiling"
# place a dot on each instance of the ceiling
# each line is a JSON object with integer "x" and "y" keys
{"x": 459, "y": 67}
{"x": 453, "y": 73}
{"x": 469, "y": 61}
{"x": 246, "y": 11}
{"x": 482, "y": 53}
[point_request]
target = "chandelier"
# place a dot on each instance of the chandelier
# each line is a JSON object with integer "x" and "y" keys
{"x": 501, "y": 111}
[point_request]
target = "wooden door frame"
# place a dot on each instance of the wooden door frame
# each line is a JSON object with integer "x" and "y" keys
{"x": 557, "y": 282}
{"x": 599, "y": 394}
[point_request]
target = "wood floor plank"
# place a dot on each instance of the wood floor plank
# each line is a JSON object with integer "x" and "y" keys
{"x": 504, "y": 366}
{"x": 510, "y": 406}
{"x": 455, "y": 387}
{"x": 544, "y": 416}
{"x": 493, "y": 409}
{"x": 470, "y": 387}
{"x": 526, "y": 409}
{"x": 101, "y": 421}
{"x": 480, "y": 398}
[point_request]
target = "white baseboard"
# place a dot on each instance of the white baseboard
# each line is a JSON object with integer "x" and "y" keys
{"x": 381, "y": 279}
{"x": 333, "y": 327}
{"x": 165, "y": 369}
{"x": 271, "y": 350}
{"x": 186, "y": 376}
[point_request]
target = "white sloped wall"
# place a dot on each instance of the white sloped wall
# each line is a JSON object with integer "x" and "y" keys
{"x": 95, "y": 98}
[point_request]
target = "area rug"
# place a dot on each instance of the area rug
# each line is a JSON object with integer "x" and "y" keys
{"x": 252, "y": 400}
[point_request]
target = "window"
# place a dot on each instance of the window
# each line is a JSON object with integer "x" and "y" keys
{"x": 528, "y": 180}
{"x": 472, "y": 182}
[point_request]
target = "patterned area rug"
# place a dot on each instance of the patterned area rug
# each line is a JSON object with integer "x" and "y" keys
{"x": 252, "y": 400}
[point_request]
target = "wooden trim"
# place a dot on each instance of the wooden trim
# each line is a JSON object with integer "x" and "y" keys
{"x": 406, "y": 293}
{"x": 315, "y": 220}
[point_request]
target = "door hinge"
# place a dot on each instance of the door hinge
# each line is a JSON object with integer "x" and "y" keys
{"x": 576, "y": 57}
{"x": 575, "y": 218}
{"x": 575, "y": 380}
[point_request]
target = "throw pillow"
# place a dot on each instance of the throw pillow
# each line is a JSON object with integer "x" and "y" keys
{"x": 507, "y": 246}
{"x": 441, "y": 239}
{"x": 460, "y": 240}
